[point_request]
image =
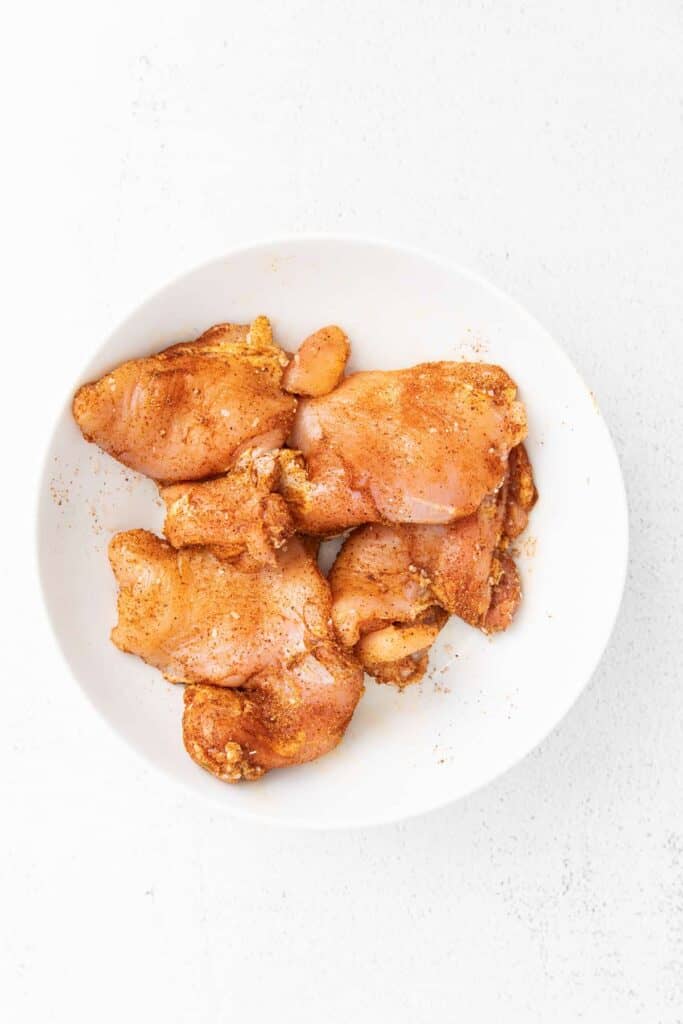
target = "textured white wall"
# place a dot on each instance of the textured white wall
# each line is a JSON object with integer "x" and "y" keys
{"x": 538, "y": 143}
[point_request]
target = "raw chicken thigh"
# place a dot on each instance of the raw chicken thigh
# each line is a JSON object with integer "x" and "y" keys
{"x": 240, "y": 511}
{"x": 423, "y": 445}
{"x": 275, "y": 687}
{"x": 390, "y": 580}
{"x": 319, "y": 364}
{"x": 191, "y": 410}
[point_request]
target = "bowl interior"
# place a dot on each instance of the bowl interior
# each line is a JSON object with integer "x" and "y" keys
{"x": 485, "y": 702}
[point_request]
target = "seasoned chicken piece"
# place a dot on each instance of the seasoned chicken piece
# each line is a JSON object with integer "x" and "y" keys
{"x": 394, "y": 587}
{"x": 388, "y": 578}
{"x": 282, "y": 716}
{"x": 318, "y": 366}
{"x": 521, "y": 494}
{"x": 423, "y": 445}
{"x": 238, "y": 511}
{"x": 264, "y": 630}
{"x": 190, "y": 411}
{"x": 506, "y": 594}
{"x": 399, "y": 653}
{"x": 201, "y": 617}
{"x": 392, "y": 573}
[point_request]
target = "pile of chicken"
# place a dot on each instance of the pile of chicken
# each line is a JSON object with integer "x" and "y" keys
{"x": 258, "y": 456}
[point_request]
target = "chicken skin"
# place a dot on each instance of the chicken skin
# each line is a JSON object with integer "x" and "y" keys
{"x": 422, "y": 445}
{"x": 189, "y": 411}
{"x": 273, "y": 686}
{"x": 319, "y": 364}
{"x": 240, "y": 511}
{"x": 389, "y": 580}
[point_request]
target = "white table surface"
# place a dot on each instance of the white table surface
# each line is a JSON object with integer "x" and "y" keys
{"x": 541, "y": 145}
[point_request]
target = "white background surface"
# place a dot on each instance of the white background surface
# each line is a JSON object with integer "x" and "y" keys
{"x": 539, "y": 144}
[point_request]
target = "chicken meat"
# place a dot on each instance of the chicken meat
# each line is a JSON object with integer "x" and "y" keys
{"x": 520, "y": 496}
{"x": 394, "y": 585}
{"x": 399, "y": 653}
{"x": 319, "y": 364}
{"x": 189, "y": 411}
{"x": 269, "y": 684}
{"x": 240, "y": 511}
{"x": 422, "y": 445}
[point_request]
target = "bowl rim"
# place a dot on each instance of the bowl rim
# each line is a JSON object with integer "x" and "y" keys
{"x": 443, "y": 263}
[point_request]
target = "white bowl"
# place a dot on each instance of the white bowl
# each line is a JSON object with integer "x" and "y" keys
{"x": 486, "y": 702}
